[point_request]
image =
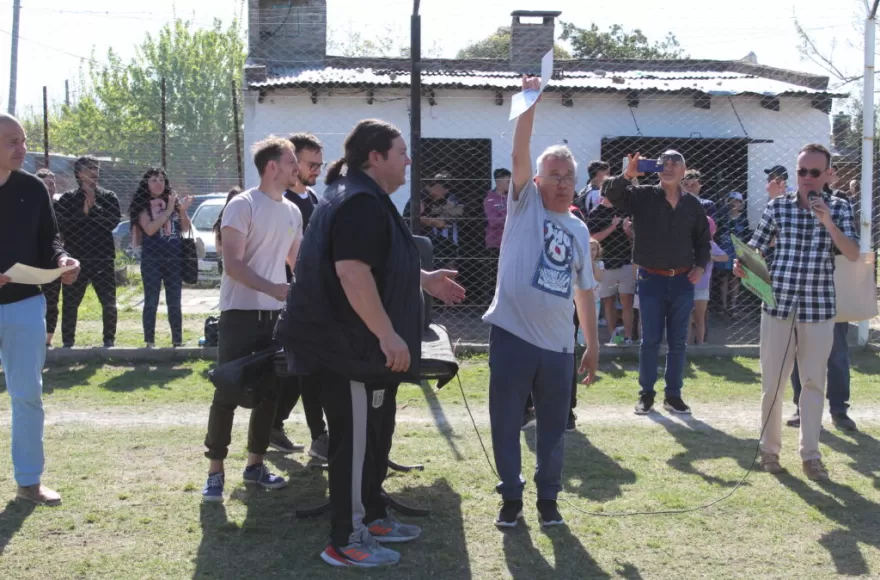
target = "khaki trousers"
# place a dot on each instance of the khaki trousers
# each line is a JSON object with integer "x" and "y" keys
{"x": 811, "y": 344}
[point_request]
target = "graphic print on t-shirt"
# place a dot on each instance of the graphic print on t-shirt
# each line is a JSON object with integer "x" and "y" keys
{"x": 553, "y": 272}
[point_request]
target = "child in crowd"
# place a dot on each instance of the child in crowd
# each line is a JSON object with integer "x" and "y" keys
{"x": 701, "y": 290}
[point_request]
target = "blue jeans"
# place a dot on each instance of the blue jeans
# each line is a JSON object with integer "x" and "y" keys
{"x": 517, "y": 368}
{"x": 22, "y": 354}
{"x": 160, "y": 262}
{"x": 665, "y": 303}
{"x": 837, "y": 383}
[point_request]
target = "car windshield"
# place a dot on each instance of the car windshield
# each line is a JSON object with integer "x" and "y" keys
{"x": 206, "y": 216}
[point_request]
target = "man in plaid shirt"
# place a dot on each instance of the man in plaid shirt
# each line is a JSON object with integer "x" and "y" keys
{"x": 810, "y": 226}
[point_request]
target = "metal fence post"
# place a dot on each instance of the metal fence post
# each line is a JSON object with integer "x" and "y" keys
{"x": 164, "y": 126}
{"x": 237, "y": 127}
{"x": 45, "y": 128}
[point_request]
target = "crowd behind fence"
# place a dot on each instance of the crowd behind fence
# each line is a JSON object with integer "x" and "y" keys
{"x": 465, "y": 163}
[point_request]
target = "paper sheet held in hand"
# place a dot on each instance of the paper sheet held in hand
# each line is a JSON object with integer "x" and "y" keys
{"x": 22, "y": 274}
{"x": 523, "y": 101}
{"x": 757, "y": 278}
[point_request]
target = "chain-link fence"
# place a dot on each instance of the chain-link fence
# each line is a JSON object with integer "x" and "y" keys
{"x": 738, "y": 124}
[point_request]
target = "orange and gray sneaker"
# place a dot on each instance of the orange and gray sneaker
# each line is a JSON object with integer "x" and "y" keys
{"x": 389, "y": 530}
{"x": 362, "y": 552}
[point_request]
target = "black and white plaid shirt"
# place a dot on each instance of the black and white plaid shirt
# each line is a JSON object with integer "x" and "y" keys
{"x": 802, "y": 269}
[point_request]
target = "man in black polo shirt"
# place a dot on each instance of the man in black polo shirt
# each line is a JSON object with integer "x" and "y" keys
{"x": 310, "y": 154}
{"x": 671, "y": 250}
{"x": 28, "y": 236}
{"x": 87, "y": 217}
{"x": 613, "y": 230}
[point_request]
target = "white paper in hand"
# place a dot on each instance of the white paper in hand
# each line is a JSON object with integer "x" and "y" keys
{"x": 523, "y": 101}
{"x": 22, "y": 274}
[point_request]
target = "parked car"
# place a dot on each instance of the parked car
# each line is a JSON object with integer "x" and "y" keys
{"x": 203, "y": 229}
{"x": 198, "y": 200}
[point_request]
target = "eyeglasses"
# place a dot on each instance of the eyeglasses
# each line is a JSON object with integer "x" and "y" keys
{"x": 557, "y": 179}
{"x": 814, "y": 173}
{"x": 315, "y": 166}
{"x": 673, "y": 158}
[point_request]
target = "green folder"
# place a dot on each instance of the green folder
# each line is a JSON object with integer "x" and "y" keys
{"x": 757, "y": 278}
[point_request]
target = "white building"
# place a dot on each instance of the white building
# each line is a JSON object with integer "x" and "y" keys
{"x": 731, "y": 119}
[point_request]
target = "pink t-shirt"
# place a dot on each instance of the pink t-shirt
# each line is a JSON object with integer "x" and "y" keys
{"x": 495, "y": 207}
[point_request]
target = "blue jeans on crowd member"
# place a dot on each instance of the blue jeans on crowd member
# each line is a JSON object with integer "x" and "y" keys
{"x": 837, "y": 383}
{"x": 22, "y": 354}
{"x": 516, "y": 368}
{"x": 160, "y": 263}
{"x": 665, "y": 303}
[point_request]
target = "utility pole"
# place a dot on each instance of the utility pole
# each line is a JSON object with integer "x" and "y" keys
{"x": 867, "y": 185}
{"x": 13, "y": 66}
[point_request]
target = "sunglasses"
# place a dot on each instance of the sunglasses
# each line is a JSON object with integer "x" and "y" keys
{"x": 556, "y": 179}
{"x": 814, "y": 173}
{"x": 673, "y": 158}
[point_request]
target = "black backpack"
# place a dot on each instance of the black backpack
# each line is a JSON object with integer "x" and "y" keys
{"x": 212, "y": 331}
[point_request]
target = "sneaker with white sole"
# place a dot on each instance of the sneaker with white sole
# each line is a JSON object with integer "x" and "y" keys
{"x": 259, "y": 475}
{"x": 213, "y": 490}
{"x": 320, "y": 447}
{"x": 511, "y": 512}
{"x": 390, "y": 531}
{"x": 548, "y": 512}
{"x": 364, "y": 552}
{"x": 676, "y": 405}
{"x": 279, "y": 441}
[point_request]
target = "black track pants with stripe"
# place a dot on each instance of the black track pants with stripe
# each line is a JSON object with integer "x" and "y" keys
{"x": 360, "y": 419}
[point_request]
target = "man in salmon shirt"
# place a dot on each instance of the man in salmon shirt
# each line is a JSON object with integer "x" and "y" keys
{"x": 495, "y": 208}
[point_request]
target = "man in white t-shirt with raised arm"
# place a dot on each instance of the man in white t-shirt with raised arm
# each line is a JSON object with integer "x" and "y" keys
{"x": 545, "y": 270}
{"x": 257, "y": 225}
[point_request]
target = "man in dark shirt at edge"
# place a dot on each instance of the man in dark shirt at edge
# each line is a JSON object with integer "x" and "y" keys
{"x": 87, "y": 217}
{"x": 29, "y": 236}
{"x": 310, "y": 154}
{"x": 671, "y": 251}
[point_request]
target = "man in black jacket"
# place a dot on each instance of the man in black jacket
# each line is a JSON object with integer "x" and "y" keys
{"x": 28, "y": 236}
{"x": 353, "y": 321}
{"x": 87, "y": 217}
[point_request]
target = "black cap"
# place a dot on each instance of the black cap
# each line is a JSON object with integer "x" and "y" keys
{"x": 778, "y": 171}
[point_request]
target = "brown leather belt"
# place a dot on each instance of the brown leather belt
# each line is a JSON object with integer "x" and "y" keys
{"x": 667, "y": 273}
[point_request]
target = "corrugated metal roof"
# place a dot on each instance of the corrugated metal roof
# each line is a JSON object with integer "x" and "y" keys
{"x": 707, "y": 82}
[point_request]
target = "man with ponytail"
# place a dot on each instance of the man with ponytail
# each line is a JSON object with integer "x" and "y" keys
{"x": 353, "y": 322}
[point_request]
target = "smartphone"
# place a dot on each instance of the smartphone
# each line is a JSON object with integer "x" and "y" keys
{"x": 650, "y": 166}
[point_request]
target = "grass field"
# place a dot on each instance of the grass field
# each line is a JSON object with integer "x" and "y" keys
{"x": 124, "y": 448}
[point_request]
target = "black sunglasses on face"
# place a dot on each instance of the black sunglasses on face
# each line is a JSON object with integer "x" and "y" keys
{"x": 673, "y": 158}
{"x": 814, "y": 173}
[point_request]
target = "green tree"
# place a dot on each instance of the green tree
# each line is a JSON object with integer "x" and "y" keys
{"x": 118, "y": 111}
{"x": 590, "y": 43}
{"x": 497, "y": 45}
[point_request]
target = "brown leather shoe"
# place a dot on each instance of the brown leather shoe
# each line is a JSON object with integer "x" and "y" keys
{"x": 770, "y": 463}
{"x": 815, "y": 470}
{"x": 39, "y": 494}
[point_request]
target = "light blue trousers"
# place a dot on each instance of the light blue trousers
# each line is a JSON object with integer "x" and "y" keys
{"x": 22, "y": 354}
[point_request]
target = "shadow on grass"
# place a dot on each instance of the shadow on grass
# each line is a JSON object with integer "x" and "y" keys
{"x": 703, "y": 442}
{"x": 601, "y": 477}
{"x": 65, "y": 377}
{"x": 856, "y": 516}
{"x": 861, "y": 448}
{"x": 271, "y": 542}
{"x": 11, "y": 519}
{"x": 524, "y": 560}
{"x": 440, "y": 420}
{"x": 864, "y": 361}
{"x": 726, "y": 368}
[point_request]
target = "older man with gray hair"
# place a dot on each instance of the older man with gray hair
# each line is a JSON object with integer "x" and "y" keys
{"x": 545, "y": 270}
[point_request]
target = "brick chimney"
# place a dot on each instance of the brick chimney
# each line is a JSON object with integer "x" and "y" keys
{"x": 531, "y": 39}
{"x": 290, "y": 33}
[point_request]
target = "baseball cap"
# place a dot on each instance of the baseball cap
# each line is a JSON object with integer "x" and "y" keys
{"x": 778, "y": 171}
{"x": 735, "y": 195}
